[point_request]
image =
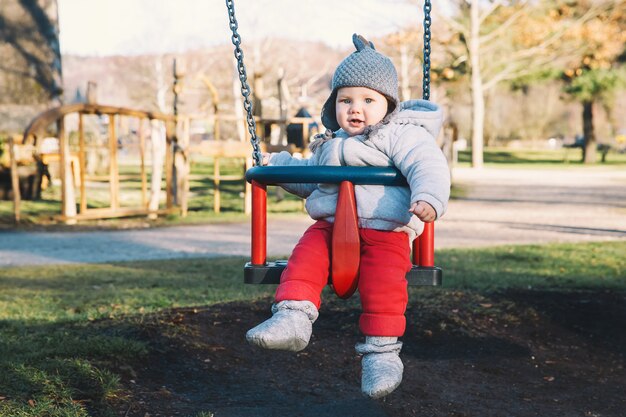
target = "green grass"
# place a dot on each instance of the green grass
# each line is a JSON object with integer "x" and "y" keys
{"x": 545, "y": 158}
{"x": 65, "y": 331}
{"x": 587, "y": 266}
{"x": 68, "y": 332}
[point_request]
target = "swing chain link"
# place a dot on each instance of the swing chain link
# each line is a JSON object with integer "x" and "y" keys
{"x": 426, "y": 71}
{"x": 245, "y": 88}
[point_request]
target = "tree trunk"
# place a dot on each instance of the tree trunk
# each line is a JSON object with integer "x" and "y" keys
{"x": 158, "y": 140}
{"x": 589, "y": 147}
{"x": 478, "y": 100}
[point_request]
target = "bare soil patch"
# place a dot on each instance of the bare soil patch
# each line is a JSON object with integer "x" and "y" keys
{"x": 521, "y": 353}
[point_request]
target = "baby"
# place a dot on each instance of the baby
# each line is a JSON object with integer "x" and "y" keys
{"x": 366, "y": 126}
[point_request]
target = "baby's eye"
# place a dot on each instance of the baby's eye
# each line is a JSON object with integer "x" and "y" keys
{"x": 345, "y": 100}
{"x": 369, "y": 100}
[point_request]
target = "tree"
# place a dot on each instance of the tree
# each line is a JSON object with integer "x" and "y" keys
{"x": 407, "y": 46}
{"x": 595, "y": 75}
{"x": 504, "y": 40}
{"x": 30, "y": 70}
{"x": 30, "y": 63}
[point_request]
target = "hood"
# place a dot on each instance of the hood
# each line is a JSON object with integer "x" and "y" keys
{"x": 422, "y": 113}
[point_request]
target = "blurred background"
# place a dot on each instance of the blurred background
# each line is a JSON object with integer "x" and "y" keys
{"x": 544, "y": 76}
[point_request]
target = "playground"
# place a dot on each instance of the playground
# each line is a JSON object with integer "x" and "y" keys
{"x": 138, "y": 217}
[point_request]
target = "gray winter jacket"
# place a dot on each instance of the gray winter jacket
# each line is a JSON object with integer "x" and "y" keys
{"x": 404, "y": 139}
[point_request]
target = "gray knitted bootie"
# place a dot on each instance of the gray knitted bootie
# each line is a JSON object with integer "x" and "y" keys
{"x": 381, "y": 365}
{"x": 289, "y": 328}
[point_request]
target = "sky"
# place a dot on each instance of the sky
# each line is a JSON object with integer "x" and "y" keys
{"x": 131, "y": 27}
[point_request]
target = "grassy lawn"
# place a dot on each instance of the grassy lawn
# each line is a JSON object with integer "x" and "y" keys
{"x": 544, "y": 158}
{"x": 68, "y": 332}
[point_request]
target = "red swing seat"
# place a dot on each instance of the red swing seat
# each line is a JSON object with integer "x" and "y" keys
{"x": 345, "y": 245}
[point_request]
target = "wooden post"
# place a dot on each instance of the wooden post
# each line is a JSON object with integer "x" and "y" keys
{"x": 216, "y": 125}
{"x": 169, "y": 167}
{"x": 62, "y": 158}
{"x": 216, "y": 185}
{"x": 81, "y": 159}
{"x": 142, "y": 156}
{"x": 215, "y": 100}
{"x": 185, "y": 168}
{"x": 15, "y": 181}
{"x": 92, "y": 92}
{"x": 159, "y": 145}
{"x": 113, "y": 169}
{"x": 68, "y": 198}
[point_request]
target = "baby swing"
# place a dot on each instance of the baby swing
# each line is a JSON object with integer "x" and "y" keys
{"x": 345, "y": 248}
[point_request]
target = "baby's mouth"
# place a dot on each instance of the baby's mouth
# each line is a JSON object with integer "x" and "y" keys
{"x": 356, "y": 122}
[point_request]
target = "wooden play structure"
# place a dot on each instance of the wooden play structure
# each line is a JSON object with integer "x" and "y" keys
{"x": 72, "y": 162}
{"x": 172, "y": 160}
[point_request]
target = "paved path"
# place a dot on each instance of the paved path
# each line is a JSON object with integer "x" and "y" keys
{"x": 502, "y": 206}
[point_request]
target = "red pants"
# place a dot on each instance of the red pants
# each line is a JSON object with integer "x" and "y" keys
{"x": 385, "y": 260}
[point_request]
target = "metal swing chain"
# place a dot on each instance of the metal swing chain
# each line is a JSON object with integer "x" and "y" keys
{"x": 427, "y": 22}
{"x": 245, "y": 88}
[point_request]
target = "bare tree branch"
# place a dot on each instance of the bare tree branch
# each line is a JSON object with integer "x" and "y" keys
{"x": 502, "y": 28}
{"x": 489, "y": 11}
{"x": 525, "y": 61}
{"x": 454, "y": 24}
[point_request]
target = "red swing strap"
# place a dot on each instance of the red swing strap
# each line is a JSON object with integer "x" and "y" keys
{"x": 259, "y": 224}
{"x": 346, "y": 244}
{"x": 424, "y": 247}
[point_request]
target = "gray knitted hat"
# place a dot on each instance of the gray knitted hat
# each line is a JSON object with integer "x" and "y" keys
{"x": 363, "y": 68}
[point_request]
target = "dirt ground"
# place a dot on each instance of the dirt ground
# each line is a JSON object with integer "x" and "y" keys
{"x": 520, "y": 354}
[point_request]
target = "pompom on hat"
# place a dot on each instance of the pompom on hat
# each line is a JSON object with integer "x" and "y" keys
{"x": 365, "y": 67}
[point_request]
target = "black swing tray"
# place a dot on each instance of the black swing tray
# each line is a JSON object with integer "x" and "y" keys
{"x": 271, "y": 271}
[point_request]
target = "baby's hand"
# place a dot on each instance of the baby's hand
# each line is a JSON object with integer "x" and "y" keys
{"x": 265, "y": 158}
{"x": 424, "y": 211}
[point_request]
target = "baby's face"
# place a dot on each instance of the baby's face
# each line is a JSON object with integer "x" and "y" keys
{"x": 359, "y": 107}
